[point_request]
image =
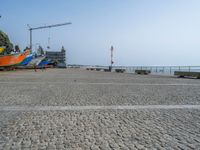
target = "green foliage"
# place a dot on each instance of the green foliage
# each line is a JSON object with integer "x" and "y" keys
{"x": 5, "y": 41}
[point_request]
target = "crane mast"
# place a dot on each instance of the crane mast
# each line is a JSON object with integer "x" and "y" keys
{"x": 43, "y": 27}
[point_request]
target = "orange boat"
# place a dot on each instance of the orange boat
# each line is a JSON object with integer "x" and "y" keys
{"x": 13, "y": 59}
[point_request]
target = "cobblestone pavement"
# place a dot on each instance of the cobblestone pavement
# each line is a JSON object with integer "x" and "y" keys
{"x": 161, "y": 129}
{"x": 97, "y": 129}
{"x": 73, "y": 87}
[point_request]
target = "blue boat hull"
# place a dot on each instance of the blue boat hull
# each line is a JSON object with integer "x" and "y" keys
{"x": 27, "y": 60}
{"x": 43, "y": 63}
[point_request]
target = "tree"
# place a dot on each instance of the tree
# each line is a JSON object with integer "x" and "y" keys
{"x": 62, "y": 49}
{"x": 17, "y": 49}
{"x": 40, "y": 51}
{"x": 5, "y": 41}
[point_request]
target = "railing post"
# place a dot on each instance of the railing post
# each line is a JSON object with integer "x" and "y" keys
{"x": 189, "y": 68}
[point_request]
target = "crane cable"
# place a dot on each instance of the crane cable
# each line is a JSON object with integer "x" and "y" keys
{"x": 49, "y": 38}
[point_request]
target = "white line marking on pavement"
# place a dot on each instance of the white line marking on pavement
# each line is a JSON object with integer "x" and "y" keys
{"x": 112, "y": 107}
{"x": 106, "y": 83}
{"x": 150, "y": 84}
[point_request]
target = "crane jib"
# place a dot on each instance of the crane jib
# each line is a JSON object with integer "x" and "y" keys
{"x": 50, "y": 26}
{"x": 42, "y": 27}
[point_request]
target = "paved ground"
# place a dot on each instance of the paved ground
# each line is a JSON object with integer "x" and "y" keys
{"x": 79, "y": 109}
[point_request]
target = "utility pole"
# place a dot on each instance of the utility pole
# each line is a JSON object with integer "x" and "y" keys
{"x": 111, "y": 58}
{"x": 43, "y": 27}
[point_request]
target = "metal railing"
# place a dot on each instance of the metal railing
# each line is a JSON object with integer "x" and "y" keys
{"x": 165, "y": 70}
{"x": 160, "y": 69}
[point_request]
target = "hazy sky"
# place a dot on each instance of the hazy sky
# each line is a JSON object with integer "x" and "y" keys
{"x": 143, "y": 32}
